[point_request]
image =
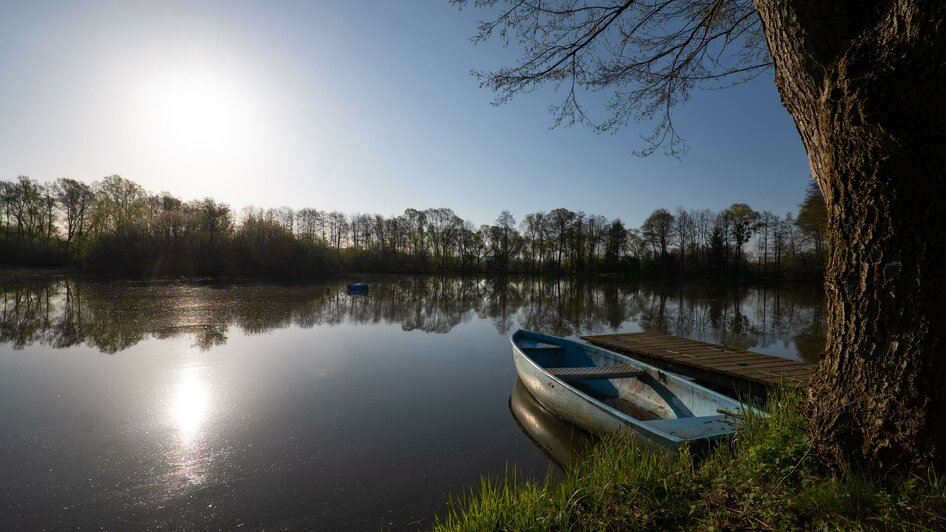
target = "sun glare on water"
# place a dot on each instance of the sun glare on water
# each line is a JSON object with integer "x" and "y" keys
{"x": 189, "y": 405}
{"x": 188, "y": 411}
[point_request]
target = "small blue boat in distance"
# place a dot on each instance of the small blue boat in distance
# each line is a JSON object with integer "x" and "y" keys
{"x": 603, "y": 392}
{"x": 358, "y": 288}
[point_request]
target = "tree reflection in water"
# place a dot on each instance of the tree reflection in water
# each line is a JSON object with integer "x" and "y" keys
{"x": 113, "y": 315}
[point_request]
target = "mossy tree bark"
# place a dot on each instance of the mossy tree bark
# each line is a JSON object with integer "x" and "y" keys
{"x": 865, "y": 83}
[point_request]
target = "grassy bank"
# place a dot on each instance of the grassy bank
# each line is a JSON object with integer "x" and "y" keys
{"x": 765, "y": 478}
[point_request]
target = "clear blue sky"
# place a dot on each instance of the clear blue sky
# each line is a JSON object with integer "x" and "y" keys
{"x": 351, "y": 106}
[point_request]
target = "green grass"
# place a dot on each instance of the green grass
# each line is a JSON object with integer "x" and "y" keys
{"x": 764, "y": 478}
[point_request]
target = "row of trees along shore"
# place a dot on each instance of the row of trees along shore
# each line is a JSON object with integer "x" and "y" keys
{"x": 114, "y": 226}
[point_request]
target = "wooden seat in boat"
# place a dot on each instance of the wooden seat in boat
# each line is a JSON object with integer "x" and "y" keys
{"x": 596, "y": 372}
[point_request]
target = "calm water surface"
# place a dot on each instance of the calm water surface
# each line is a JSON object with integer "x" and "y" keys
{"x": 131, "y": 405}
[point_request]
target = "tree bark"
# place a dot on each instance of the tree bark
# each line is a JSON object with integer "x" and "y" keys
{"x": 864, "y": 82}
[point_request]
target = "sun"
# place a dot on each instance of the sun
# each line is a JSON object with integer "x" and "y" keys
{"x": 197, "y": 112}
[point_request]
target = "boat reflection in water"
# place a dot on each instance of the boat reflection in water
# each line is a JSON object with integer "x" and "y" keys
{"x": 563, "y": 443}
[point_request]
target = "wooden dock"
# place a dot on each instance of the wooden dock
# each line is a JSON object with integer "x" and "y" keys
{"x": 721, "y": 367}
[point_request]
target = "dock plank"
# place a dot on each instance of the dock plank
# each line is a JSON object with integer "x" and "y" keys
{"x": 755, "y": 365}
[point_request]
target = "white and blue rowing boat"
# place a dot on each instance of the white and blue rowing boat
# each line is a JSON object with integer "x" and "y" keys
{"x": 602, "y": 392}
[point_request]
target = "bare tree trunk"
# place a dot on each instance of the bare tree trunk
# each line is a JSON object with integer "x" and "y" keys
{"x": 864, "y": 82}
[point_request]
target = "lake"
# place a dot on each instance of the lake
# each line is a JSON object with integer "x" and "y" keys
{"x": 135, "y": 405}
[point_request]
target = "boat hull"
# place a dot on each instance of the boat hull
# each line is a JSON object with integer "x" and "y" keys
{"x": 691, "y": 413}
{"x": 576, "y": 408}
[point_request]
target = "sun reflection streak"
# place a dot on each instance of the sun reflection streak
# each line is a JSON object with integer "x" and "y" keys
{"x": 189, "y": 405}
{"x": 188, "y": 411}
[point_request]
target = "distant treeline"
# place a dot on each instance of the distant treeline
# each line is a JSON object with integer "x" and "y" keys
{"x": 114, "y": 226}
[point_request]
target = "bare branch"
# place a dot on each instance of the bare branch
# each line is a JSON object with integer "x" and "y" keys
{"x": 650, "y": 54}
